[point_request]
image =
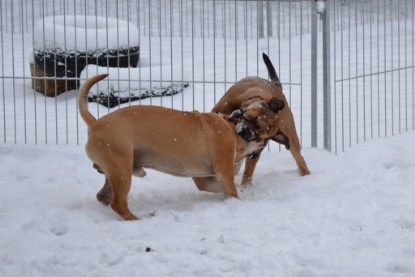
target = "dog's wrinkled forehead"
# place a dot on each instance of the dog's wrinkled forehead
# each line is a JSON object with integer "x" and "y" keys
{"x": 253, "y": 104}
{"x": 274, "y": 104}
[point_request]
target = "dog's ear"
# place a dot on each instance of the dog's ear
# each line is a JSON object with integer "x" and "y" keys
{"x": 275, "y": 104}
{"x": 236, "y": 115}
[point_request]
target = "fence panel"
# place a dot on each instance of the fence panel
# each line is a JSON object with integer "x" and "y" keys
{"x": 208, "y": 45}
{"x": 373, "y": 70}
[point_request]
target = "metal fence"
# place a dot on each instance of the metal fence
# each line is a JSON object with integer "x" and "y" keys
{"x": 373, "y": 66}
{"x": 209, "y": 45}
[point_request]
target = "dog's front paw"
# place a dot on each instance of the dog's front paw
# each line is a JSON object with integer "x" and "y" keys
{"x": 129, "y": 217}
{"x": 104, "y": 197}
{"x": 304, "y": 171}
{"x": 246, "y": 181}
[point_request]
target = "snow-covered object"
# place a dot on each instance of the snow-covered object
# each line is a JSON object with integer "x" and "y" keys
{"x": 83, "y": 33}
{"x": 321, "y": 6}
{"x": 129, "y": 84}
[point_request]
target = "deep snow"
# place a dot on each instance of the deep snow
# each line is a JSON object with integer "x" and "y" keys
{"x": 353, "y": 216}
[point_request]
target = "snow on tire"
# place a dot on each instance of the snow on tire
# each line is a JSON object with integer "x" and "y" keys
{"x": 64, "y": 45}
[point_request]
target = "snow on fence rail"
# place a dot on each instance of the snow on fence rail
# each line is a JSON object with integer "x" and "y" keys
{"x": 209, "y": 45}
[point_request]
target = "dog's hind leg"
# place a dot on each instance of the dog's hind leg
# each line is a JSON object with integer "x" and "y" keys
{"x": 119, "y": 175}
{"x": 250, "y": 164}
{"x": 121, "y": 184}
{"x": 290, "y": 139}
{"x": 224, "y": 171}
{"x": 295, "y": 149}
{"x": 299, "y": 159}
{"x": 209, "y": 184}
{"x": 104, "y": 195}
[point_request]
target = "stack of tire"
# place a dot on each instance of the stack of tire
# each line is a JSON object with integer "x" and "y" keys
{"x": 64, "y": 45}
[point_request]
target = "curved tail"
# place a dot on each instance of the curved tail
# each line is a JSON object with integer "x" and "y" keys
{"x": 82, "y": 98}
{"x": 271, "y": 70}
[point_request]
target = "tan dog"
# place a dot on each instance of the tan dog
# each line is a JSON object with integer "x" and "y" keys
{"x": 204, "y": 146}
{"x": 257, "y": 89}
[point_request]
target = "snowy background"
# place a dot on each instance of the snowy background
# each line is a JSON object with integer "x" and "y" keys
{"x": 353, "y": 216}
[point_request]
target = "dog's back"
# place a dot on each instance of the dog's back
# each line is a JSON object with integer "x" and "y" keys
{"x": 164, "y": 139}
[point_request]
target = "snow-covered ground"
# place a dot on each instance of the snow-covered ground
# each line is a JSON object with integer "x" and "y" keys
{"x": 353, "y": 216}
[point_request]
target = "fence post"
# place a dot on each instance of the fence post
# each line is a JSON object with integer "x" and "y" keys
{"x": 325, "y": 16}
{"x": 260, "y": 10}
{"x": 314, "y": 67}
{"x": 321, "y": 7}
{"x": 269, "y": 19}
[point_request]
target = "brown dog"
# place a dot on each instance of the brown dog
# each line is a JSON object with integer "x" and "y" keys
{"x": 252, "y": 89}
{"x": 204, "y": 146}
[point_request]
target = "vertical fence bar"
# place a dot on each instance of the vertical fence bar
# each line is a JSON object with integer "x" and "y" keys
{"x": 171, "y": 47}
{"x": 399, "y": 72}
{"x": 181, "y": 46}
{"x": 24, "y": 75}
{"x": 341, "y": 73}
{"x": 269, "y": 19}
{"x": 203, "y": 53}
{"x": 214, "y": 50}
{"x": 314, "y": 67}
{"x": 224, "y": 45}
{"x": 335, "y": 76}
{"x": 371, "y": 69}
{"x": 391, "y": 68}
{"x": 350, "y": 75}
{"x": 13, "y": 73}
{"x": 260, "y": 20}
{"x": 2, "y": 31}
{"x": 301, "y": 73}
{"x": 34, "y": 92}
{"x": 326, "y": 75}
{"x": 385, "y": 68}
{"x": 289, "y": 52}
{"x": 378, "y": 63}
{"x": 321, "y": 8}
{"x": 363, "y": 71}
{"x": 406, "y": 67}
{"x": 236, "y": 40}
{"x": 160, "y": 45}
{"x": 193, "y": 55}
{"x": 54, "y": 66}
{"x": 357, "y": 71}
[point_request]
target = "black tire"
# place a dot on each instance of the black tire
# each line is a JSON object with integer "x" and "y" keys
{"x": 65, "y": 44}
{"x": 57, "y": 62}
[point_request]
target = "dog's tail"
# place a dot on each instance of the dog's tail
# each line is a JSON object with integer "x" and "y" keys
{"x": 83, "y": 101}
{"x": 271, "y": 70}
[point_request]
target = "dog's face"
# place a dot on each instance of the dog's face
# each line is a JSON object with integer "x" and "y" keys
{"x": 257, "y": 119}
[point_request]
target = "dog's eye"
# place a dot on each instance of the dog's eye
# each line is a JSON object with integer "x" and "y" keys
{"x": 254, "y": 123}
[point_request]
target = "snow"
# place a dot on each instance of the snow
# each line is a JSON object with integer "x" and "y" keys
{"x": 321, "y": 7}
{"x": 353, "y": 216}
{"x": 125, "y": 80}
{"x": 83, "y": 33}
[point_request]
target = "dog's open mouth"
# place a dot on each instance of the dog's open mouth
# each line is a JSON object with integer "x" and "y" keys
{"x": 245, "y": 131}
{"x": 255, "y": 148}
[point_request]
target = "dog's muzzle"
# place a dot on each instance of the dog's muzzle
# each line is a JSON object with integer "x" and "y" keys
{"x": 245, "y": 131}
